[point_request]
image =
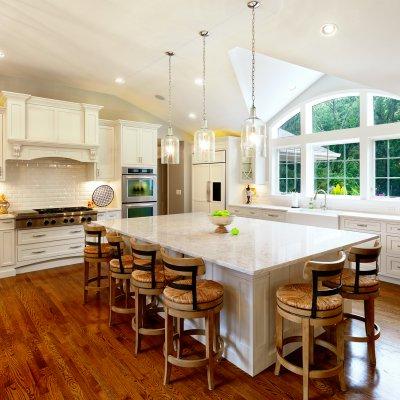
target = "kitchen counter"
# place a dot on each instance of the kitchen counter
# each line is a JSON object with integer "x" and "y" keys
{"x": 7, "y": 216}
{"x": 251, "y": 266}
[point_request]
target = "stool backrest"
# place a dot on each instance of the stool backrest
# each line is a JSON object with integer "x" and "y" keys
{"x": 145, "y": 251}
{"x": 184, "y": 267}
{"x": 365, "y": 255}
{"x": 118, "y": 243}
{"x": 317, "y": 270}
{"x": 93, "y": 236}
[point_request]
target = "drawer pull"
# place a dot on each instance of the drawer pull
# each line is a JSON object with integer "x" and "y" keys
{"x": 75, "y": 247}
{"x": 362, "y": 225}
{"x": 273, "y": 215}
{"x": 38, "y": 251}
{"x": 7, "y": 222}
{"x": 39, "y": 235}
{"x": 75, "y": 231}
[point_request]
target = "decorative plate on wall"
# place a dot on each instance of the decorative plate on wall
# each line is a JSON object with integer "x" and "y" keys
{"x": 103, "y": 195}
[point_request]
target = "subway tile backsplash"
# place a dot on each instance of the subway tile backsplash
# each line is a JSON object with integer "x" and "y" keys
{"x": 46, "y": 182}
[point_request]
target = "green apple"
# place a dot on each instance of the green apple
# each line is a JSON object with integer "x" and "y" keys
{"x": 234, "y": 231}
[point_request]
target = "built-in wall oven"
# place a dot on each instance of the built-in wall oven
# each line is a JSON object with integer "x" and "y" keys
{"x": 139, "y": 192}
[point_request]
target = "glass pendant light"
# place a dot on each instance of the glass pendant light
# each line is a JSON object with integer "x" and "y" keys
{"x": 170, "y": 143}
{"x": 254, "y": 133}
{"x": 204, "y": 138}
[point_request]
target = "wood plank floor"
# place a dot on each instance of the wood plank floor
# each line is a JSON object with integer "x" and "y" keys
{"x": 53, "y": 347}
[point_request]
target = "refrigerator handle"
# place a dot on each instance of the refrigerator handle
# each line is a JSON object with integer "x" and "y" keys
{"x": 209, "y": 191}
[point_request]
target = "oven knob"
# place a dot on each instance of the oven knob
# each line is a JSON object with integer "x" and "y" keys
{"x": 29, "y": 223}
{"x": 46, "y": 221}
{"x": 83, "y": 219}
{"x": 53, "y": 221}
{"x": 65, "y": 221}
{"x": 72, "y": 220}
{"x": 88, "y": 219}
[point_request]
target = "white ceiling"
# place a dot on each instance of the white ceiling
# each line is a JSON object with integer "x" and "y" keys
{"x": 86, "y": 44}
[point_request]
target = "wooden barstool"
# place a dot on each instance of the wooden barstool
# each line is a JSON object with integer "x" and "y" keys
{"x": 191, "y": 298}
{"x": 148, "y": 279}
{"x": 96, "y": 253}
{"x": 362, "y": 284}
{"x": 312, "y": 306}
{"x": 120, "y": 277}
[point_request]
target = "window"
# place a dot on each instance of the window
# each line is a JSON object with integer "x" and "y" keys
{"x": 338, "y": 113}
{"x": 289, "y": 170}
{"x": 386, "y": 110}
{"x": 291, "y": 127}
{"x": 337, "y": 169}
{"x": 387, "y": 168}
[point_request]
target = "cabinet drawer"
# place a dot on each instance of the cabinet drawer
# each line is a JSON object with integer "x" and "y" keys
{"x": 6, "y": 224}
{"x": 361, "y": 225}
{"x": 393, "y": 265}
{"x": 50, "y": 234}
{"x": 33, "y": 252}
{"x": 274, "y": 216}
{"x": 238, "y": 211}
{"x": 393, "y": 244}
{"x": 393, "y": 229}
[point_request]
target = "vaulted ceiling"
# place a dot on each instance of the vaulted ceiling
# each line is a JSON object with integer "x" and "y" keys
{"x": 87, "y": 44}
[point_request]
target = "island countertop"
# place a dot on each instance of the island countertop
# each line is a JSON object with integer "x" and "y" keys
{"x": 261, "y": 246}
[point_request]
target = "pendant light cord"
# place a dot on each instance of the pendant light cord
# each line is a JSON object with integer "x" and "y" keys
{"x": 253, "y": 53}
{"x": 204, "y": 34}
{"x": 169, "y": 90}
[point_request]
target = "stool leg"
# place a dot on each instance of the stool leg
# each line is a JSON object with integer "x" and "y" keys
{"x": 279, "y": 340}
{"x": 98, "y": 277}
{"x": 209, "y": 348}
{"x": 138, "y": 319}
{"x": 217, "y": 331}
{"x": 369, "y": 312}
{"x": 112, "y": 297}
{"x": 127, "y": 292}
{"x": 169, "y": 333}
{"x": 340, "y": 353}
{"x": 180, "y": 329}
{"x": 85, "y": 281}
{"x": 312, "y": 340}
{"x": 306, "y": 356}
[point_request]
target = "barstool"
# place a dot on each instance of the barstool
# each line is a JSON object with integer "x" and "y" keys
{"x": 119, "y": 277}
{"x": 148, "y": 279}
{"x": 312, "y": 306}
{"x": 191, "y": 298}
{"x": 97, "y": 253}
{"x": 362, "y": 285}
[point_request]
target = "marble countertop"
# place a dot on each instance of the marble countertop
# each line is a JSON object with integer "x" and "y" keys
{"x": 260, "y": 247}
{"x": 329, "y": 212}
{"x": 7, "y": 216}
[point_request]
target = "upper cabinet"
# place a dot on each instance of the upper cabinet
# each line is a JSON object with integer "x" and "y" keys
{"x": 138, "y": 143}
{"x": 105, "y": 167}
{"x": 35, "y": 123}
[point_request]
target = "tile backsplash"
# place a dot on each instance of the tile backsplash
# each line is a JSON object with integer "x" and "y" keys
{"x": 47, "y": 182}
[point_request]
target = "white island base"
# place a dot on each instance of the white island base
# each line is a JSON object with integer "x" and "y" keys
{"x": 251, "y": 266}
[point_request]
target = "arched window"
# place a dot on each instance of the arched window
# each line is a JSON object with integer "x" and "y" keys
{"x": 336, "y": 113}
{"x": 386, "y": 110}
{"x": 291, "y": 127}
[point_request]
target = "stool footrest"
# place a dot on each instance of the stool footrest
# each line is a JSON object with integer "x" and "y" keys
{"x": 361, "y": 339}
{"x": 122, "y": 310}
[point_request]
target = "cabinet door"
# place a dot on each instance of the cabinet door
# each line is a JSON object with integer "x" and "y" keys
{"x": 41, "y": 123}
{"x": 149, "y": 147}
{"x": 217, "y": 186}
{"x": 201, "y": 187}
{"x": 69, "y": 125}
{"x": 131, "y": 146}
{"x": 7, "y": 248}
{"x": 106, "y": 164}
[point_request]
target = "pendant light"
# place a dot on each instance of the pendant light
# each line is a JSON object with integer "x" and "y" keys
{"x": 253, "y": 138}
{"x": 170, "y": 143}
{"x": 204, "y": 138}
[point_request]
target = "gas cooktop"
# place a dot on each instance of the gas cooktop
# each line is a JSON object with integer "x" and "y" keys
{"x": 61, "y": 210}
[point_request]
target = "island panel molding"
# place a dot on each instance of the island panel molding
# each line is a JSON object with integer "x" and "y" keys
{"x": 250, "y": 266}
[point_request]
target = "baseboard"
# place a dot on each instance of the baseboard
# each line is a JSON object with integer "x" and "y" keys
{"x": 61, "y": 262}
{"x": 7, "y": 272}
{"x": 389, "y": 279}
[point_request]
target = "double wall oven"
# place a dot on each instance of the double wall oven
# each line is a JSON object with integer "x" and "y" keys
{"x": 139, "y": 192}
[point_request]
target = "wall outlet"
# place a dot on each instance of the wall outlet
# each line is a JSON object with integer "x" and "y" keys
{"x": 178, "y": 192}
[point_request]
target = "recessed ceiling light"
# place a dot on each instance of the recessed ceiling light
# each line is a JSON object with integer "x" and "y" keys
{"x": 119, "y": 81}
{"x": 192, "y": 115}
{"x": 292, "y": 87}
{"x": 159, "y": 97}
{"x": 329, "y": 29}
{"x": 198, "y": 81}
{"x": 2, "y": 54}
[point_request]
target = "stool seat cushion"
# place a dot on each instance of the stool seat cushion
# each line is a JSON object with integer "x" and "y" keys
{"x": 161, "y": 276}
{"x": 299, "y": 295}
{"x": 207, "y": 291}
{"x": 93, "y": 251}
{"x": 369, "y": 282}
{"x": 127, "y": 262}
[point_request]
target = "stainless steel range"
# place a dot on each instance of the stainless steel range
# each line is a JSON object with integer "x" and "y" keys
{"x": 49, "y": 217}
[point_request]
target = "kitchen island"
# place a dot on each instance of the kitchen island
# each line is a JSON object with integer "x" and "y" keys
{"x": 251, "y": 266}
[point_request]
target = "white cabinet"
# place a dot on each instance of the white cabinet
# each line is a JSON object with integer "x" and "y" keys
{"x": 105, "y": 169}
{"x": 7, "y": 243}
{"x": 107, "y": 215}
{"x": 208, "y": 186}
{"x": 138, "y": 144}
{"x": 258, "y": 213}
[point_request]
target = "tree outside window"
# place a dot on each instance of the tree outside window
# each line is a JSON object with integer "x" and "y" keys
{"x": 291, "y": 127}
{"x": 387, "y": 168}
{"x": 386, "y": 110}
{"x": 289, "y": 170}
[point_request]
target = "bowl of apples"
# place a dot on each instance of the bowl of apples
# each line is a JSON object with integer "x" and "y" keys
{"x": 221, "y": 218}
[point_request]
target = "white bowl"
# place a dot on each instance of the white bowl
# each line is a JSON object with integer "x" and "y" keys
{"x": 221, "y": 222}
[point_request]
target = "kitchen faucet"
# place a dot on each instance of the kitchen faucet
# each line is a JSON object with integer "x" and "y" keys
{"x": 323, "y": 207}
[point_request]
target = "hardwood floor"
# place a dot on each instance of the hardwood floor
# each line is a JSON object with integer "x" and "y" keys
{"x": 54, "y": 347}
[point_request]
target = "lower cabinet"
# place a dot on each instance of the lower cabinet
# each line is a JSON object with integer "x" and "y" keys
{"x": 7, "y": 248}
{"x": 259, "y": 213}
